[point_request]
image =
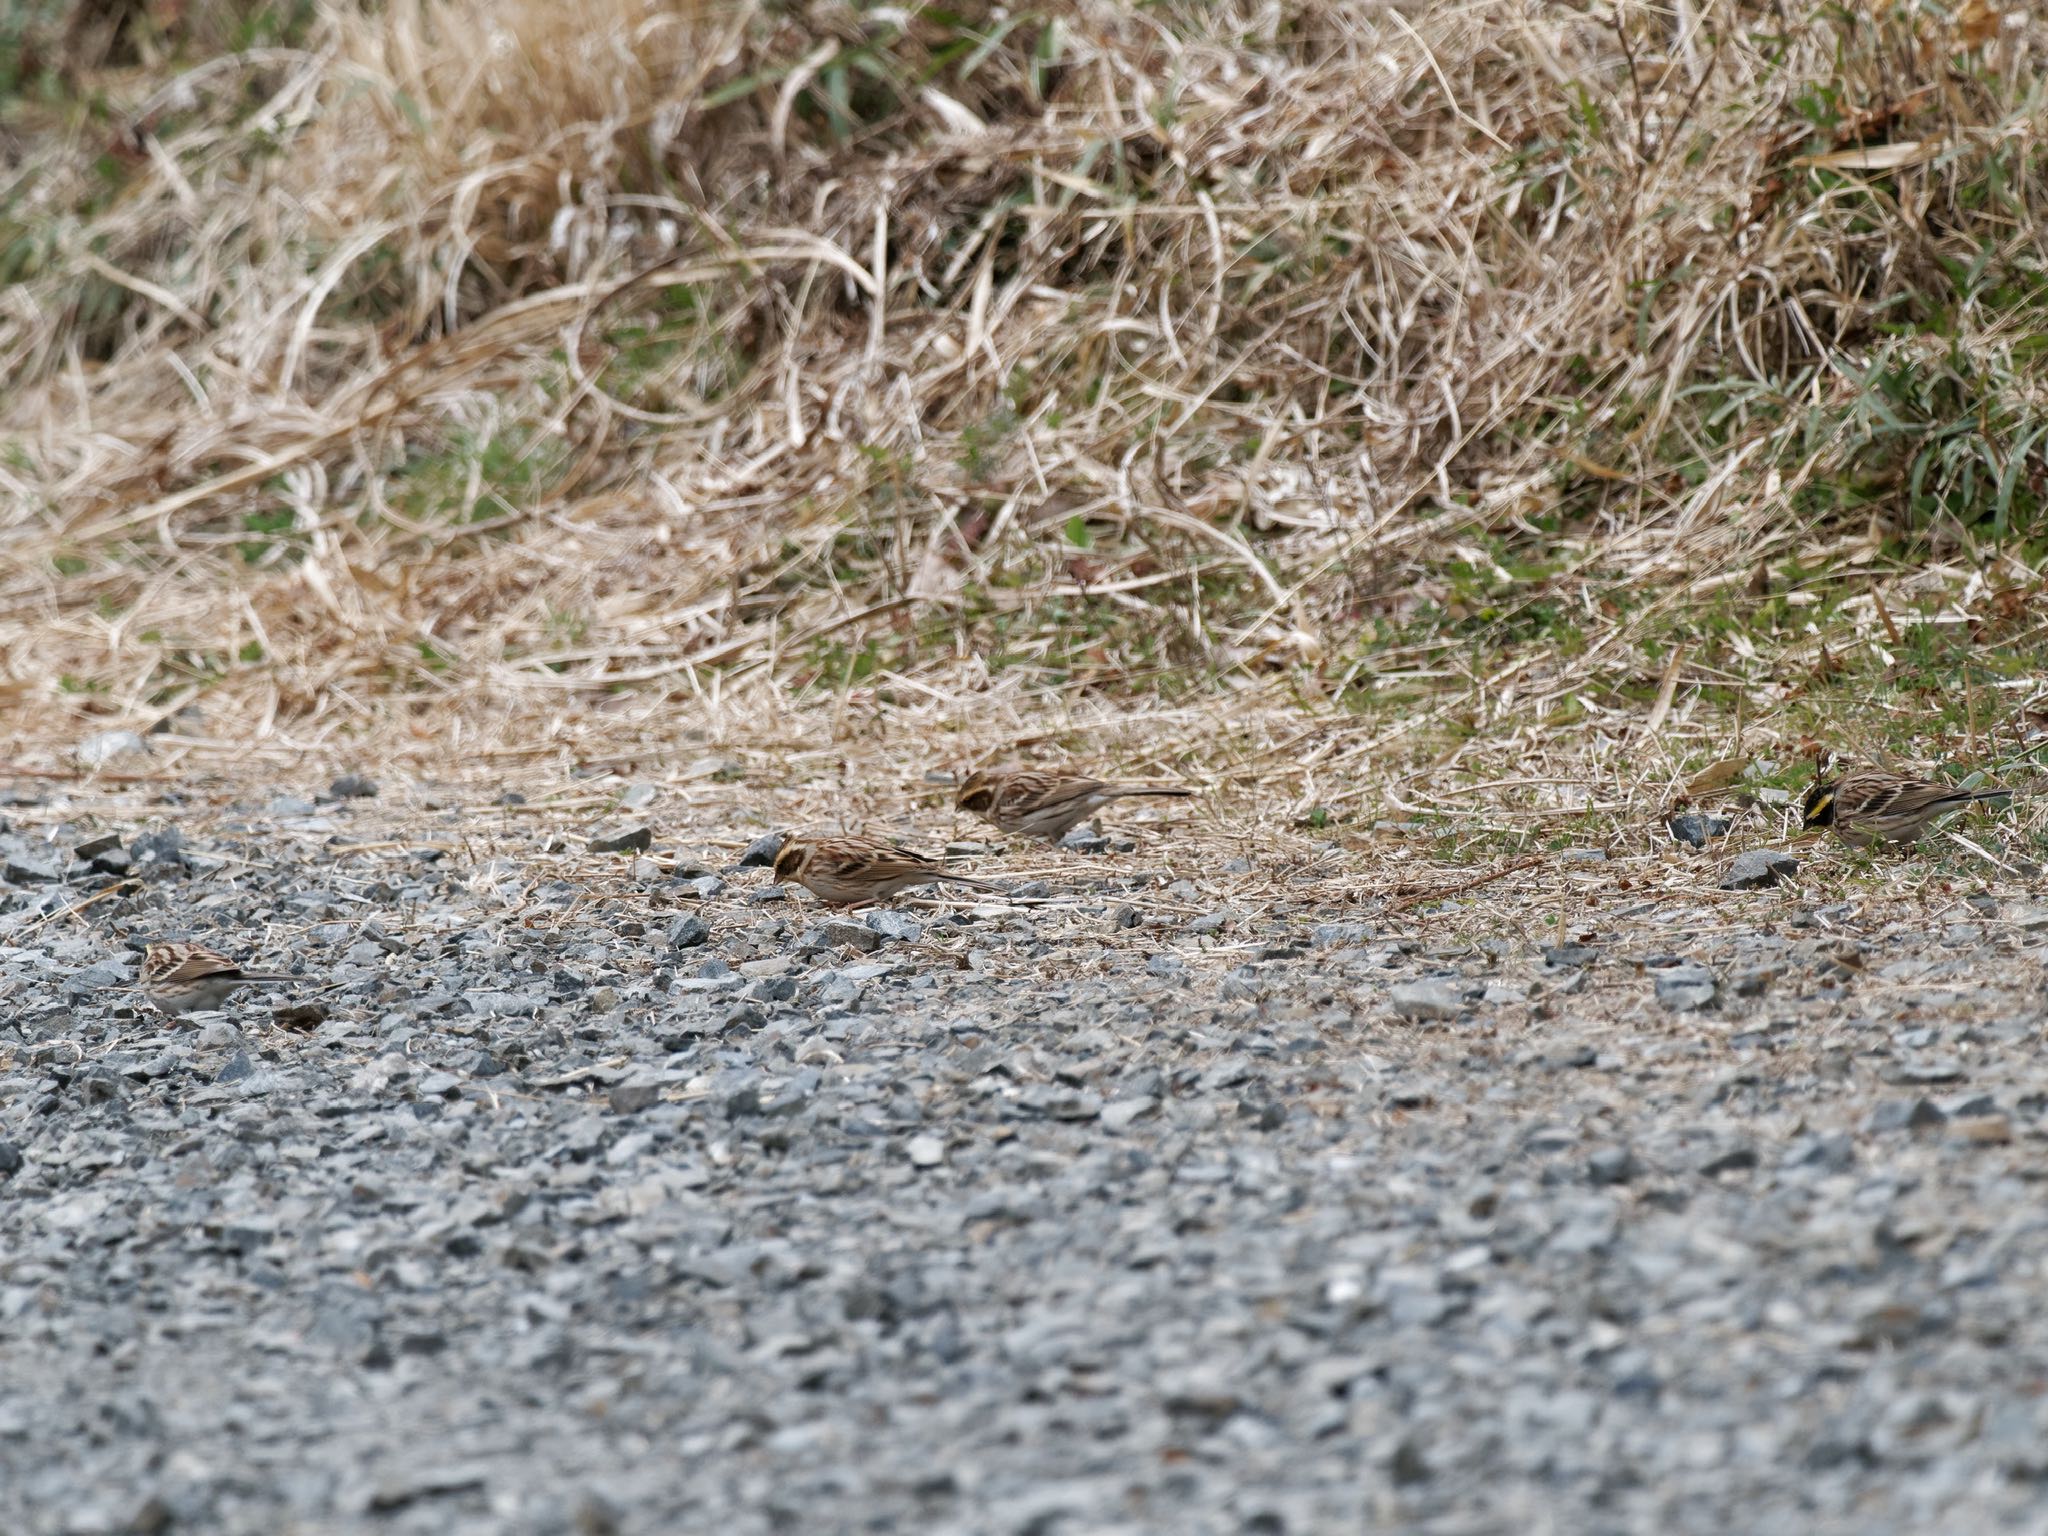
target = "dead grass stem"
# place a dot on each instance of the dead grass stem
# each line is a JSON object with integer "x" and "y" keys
{"x": 1438, "y": 410}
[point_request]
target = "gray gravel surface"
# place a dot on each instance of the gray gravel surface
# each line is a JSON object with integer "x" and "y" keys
{"x": 600, "y": 1194}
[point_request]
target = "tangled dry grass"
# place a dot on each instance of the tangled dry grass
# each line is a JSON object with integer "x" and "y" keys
{"x": 1434, "y": 407}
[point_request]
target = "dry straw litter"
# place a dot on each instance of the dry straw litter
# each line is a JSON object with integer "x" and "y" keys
{"x": 1384, "y": 401}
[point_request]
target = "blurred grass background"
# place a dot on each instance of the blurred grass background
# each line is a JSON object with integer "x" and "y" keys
{"x": 1482, "y": 397}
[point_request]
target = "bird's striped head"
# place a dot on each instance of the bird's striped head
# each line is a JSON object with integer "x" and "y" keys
{"x": 1819, "y": 809}
{"x": 791, "y": 858}
{"x": 978, "y": 793}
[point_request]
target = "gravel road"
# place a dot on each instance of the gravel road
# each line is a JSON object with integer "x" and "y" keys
{"x": 602, "y": 1194}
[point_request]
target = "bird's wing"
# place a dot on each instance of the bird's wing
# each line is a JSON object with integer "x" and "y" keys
{"x": 903, "y": 861}
{"x": 1045, "y": 791}
{"x": 1928, "y": 797}
{"x": 881, "y": 859}
{"x": 197, "y": 965}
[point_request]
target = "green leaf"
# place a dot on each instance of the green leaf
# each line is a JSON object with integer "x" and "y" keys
{"x": 411, "y": 110}
{"x": 2010, "y": 479}
{"x": 988, "y": 45}
{"x": 1045, "y": 57}
{"x": 746, "y": 85}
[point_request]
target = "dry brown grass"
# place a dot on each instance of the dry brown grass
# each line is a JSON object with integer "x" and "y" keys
{"x": 1469, "y": 410}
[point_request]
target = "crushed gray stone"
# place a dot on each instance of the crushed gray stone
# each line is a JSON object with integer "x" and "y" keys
{"x": 965, "y": 1217}
{"x": 761, "y": 852}
{"x": 1686, "y": 988}
{"x": 1695, "y": 830}
{"x": 1427, "y": 999}
{"x": 634, "y": 837}
{"x": 1757, "y": 868}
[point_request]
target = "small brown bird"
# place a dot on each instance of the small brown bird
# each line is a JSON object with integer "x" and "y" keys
{"x": 190, "y": 978}
{"x": 849, "y": 870}
{"x": 1866, "y": 807}
{"x": 1039, "y": 803}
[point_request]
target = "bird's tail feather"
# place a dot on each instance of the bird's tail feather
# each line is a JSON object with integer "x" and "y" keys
{"x": 972, "y": 884}
{"x": 1982, "y": 794}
